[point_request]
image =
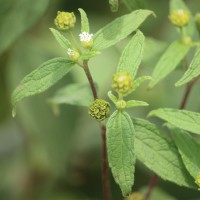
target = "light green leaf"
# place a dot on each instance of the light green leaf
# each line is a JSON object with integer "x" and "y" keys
{"x": 120, "y": 145}
{"x": 134, "y": 103}
{"x": 89, "y": 54}
{"x": 74, "y": 94}
{"x": 119, "y": 29}
{"x": 39, "y": 80}
{"x": 189, "y": 150}
{"x": 16, "y": 17}
{"x": 134, "y": 4}
{"x": 193, "y": 70}
{"x": 114, "y": 4}
{"x": 184, "y": 119}
{"x": 168, "y": 62}
{"x": 137, "y": 82}
{"x": 159, "y": 154}
{"x": 132, "y": 55}
{"x": 84, "y": 21}
{"x": 179, "y": 4}
{"x": 64, "y": 43}
{"x": 112, "y": 97}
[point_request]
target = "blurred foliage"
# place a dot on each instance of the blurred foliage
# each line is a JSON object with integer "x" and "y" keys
{"x": 43, "y": 156}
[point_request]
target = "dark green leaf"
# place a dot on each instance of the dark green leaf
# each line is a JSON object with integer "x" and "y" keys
{"x": 134, "y": 4}
{"x": 120, "y": 145}
{"x": 183, "y": 119}
{"x": 39, "y": 80}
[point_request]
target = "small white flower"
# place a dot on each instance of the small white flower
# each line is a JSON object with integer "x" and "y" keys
{"x": 70, "y": 52}
{"x": 85, "y": 37}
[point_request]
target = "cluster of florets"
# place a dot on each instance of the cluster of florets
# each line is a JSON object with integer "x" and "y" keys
{"x": 197, "y": 181}
{"x": 179, "y": 17}
{"x": 86, "y": 40}
{"x": 99, "y": 109}
{"x": 73, "y": 55}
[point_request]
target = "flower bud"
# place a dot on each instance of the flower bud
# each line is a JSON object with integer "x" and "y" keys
{"x": 179, "y": 17}
{"x": 121, "y": 104}
{"x": 99, "y": 109}
{"x": 86, "y": 40}
{"x": 65, "y": 20}
{"x": 122, "y": 83}
{"x": 73, "y": 55}
{"x": 135, "y": 196}
{"x": 197, "y": 181}
{"x": 197, "y": 20}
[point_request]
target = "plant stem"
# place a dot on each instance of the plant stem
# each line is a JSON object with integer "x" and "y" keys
{"x": 152, "y": 184}
{"x": 104, "y": 160}
{"x": 74, "y": 41}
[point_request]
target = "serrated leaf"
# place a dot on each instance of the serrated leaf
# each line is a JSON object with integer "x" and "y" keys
{"x": 135, "y": 4}
{"x": 132, "y": 55}
{"x": 137, "y": 82}
{"x": 189, "y": 150}
{"x": 193, "y": 70}
{"x": 135, "y": 103}
{"x": 89, "y": 54}
{"x": 168, "y": 62}
{"x": 114, "y": 4}
{"x": 159, "y": 154}
{"x": 39, "y": 80}
{"x": 179, "y": 4}
{"x": 84, "y": 21}
{"x": 64, "y": 43}
{"x": 183, "y": 119}
{"x": 120, "y": 145}
{"x": 119, "y": 29}
{"x": 74, "y": 94}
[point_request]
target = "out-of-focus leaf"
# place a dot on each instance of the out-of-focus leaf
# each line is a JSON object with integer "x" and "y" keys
{"x": 84, "y": 21}
{"x": 16, "y": 17}
{"x": 134, "y": 103}
{"x": 159, "y": 155}
{"x": 168, "y": 62}
{"x": 114, "y": 4}
{"x": 42, "y": 78}
{"x": 120, "y": 28}
{"x": 137, "y": 82}
{"x": 193, "y": 70}
{"x": 135, "y": 4}
{"x": 74, "y": 94}
{"x": 132, "y": 55}
{"x": 183, "y": 119}
{"x": 120, "y": 145}
{"x": 179, "y": 4}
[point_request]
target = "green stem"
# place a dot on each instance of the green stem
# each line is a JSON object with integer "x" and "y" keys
{"x": 74, "y": 42}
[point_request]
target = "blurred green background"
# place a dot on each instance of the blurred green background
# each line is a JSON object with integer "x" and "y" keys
{"x": 48, "y": 157}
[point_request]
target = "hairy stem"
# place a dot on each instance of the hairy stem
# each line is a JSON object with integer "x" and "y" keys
{"x": 105, "y": 174}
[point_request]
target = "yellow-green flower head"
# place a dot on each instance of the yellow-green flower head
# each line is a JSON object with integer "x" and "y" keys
{"x": 86, "y": 40}
{"x": 99, "y": 109}
{"x": 73, "y": 55}
{"x": 122, "y": 83}
{"x": 197, "y": 181}
{"x": 135, "y": 196}
{"x": 179, "y": 17}
{"x": 65, "y": 20}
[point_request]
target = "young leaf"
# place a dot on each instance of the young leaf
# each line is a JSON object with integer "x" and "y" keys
{"x": 193, "y": 70}
{"x": 183, "y": 119}
{"x": 89, "y": 54}
{"x": 114, "y": 4}
{"x": 134, "y": 4}
{"x": 137, "y": 82}
{"x": 168, "y": 62}
{"x": 64, "y": 43}
{"x": 119, "y": 29}
{"x": 112, "y": 97}
{"x": 159, "y": 155}
{"x": 189, "y": 150}
{"x": 179, "y": 4}
{"x": 120, "y": 145}
{"x": 132, "y": 55}
{"x": 134, "y": 103}
{"x": 73, "y": 94}
{"x": 84, "y": 21}
{"x": 39, "y": 80}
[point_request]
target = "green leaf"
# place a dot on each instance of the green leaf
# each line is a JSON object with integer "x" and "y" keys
{"x": 64, "y": 43}
{"x": 137, "y": 82}
{"x": 39, "y": 80}
{"x": 132, "y": 55}
{"x": 183, "y": 119}
{"x": 84, "y": 21}
{"x": 89, "y": 54}
{"x": 112, "y": 97}
{"x": 135, "y": 4}
{"x": 168, "y": 62}
{"x": 179, "y": 4}
{"x": 74, "y": 94}
{"x": 114, "y": 4}
{"x": 159, "y": 154}
{"x": 16, "y": 17}
{"x": 120, "y": 145}
{"x": 119, "y": 29}
{"x": 193, "y": 70}
{"x": 134, "y": 103}
{"x": 189, "y": 150}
